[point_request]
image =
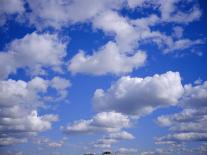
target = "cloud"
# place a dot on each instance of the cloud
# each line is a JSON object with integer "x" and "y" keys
{"x": 134, "y": 96}
{"x": 107, "y": 60}
{"x": 20, "y": 101}
{"x": 135, "y": 3}
{"x": 48, "y": 142}
{"x": 178, "y": 150}
{"x": 61, "y": 85}
{"x": 171, "y": 13}
{"x": 126, "y": 151}
{"x": 58, "y": 14}
{"x": 33, "y": 51}
{"x": 112, "y": 138}
{"x": 122, "y": 135}
{"x": 101, "y": 122}
{"x": 10, "y": 7}
{"x": 178, "y": 32}
{"x": 189, "y": 124}
{"x": 125, "y": 34}
{"x": 129, "y": 35}
{"x": 183, "y": 44}
{"x": 63, "y": 13}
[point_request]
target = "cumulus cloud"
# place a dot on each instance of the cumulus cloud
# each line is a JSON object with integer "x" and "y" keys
{"x": 33, "y": 51}
{"x": 107, "y": 60}
{"x": 171, "y": 13}
{"x": 112, "y": 22}
{"x": 62, "y": 13}
{"x": 134, "y": 96}
{"x": 10, "y": 7}
{"x": 61, "y": 85}
{"x": 101, "y": 122}
{"x": 20, "y": 101}
{"x": 190, "y": 123}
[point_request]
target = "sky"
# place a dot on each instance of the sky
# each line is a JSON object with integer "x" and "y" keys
{"x": 86, "y": 76}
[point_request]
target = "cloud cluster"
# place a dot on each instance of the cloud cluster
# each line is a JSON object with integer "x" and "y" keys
{"x": 128, "y": 33}
{"x": 20, "y": 101}
{"x": 190, "y": 123}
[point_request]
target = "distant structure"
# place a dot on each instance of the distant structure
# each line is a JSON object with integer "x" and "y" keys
{"x": 89, "y": 154}
{"x": 107, "y": 153}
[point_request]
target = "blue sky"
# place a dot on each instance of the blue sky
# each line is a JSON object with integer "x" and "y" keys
{"x": 81, "y": 76}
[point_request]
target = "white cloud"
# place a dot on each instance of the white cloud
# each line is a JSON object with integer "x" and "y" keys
{"x": 127, "y": 151}
{"x": 11, "y": 140}
{"x": 10, "y": 7}
{"x": 190, "y": 123}
{"x": 20, "y": 101}
{"x": 135, "y": 3}
{"x": 134, "y": 96}
{"x": 61, "y": 85}
{"x": 170, "y": 12}
{"x": 125, "y": 34}
{"x": 122, "y": 135}
{"x": 182, "y": 44}
{"x": 104, "y": 143}
{"x": 101, "y": 122}
{"x": 34, "y": 51}
{"x": 178, "y": 32}
{"x": 107, "y": 60}
{"x": 112, "y": 138}
{"x": 62, "y": 13}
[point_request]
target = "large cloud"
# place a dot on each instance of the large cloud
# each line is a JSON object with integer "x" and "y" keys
{"x": 33, "y": 51}
{"x": 139, "y": 96}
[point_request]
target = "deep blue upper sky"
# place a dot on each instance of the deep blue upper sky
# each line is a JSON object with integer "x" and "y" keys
{"x": 80, "y": 76}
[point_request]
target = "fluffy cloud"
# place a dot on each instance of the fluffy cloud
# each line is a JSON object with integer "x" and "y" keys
{"x": 135, "y": 3}
{"x": 104, "y": 121}
{"x": 125, "y": 34}
{"x": 20, "y": 101}
{"x": 134, "y": 96}
{"x": 62, "y": 13}
{"x": 10, "y": 7}
{"x": 61, "y": 85}
{"x": 129, "y": 34}
{"x": 34, "y": 52}
{"x": 171, "y": 13}
{"x": 190, "y": 123}
{"x": 107, "y": 60}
